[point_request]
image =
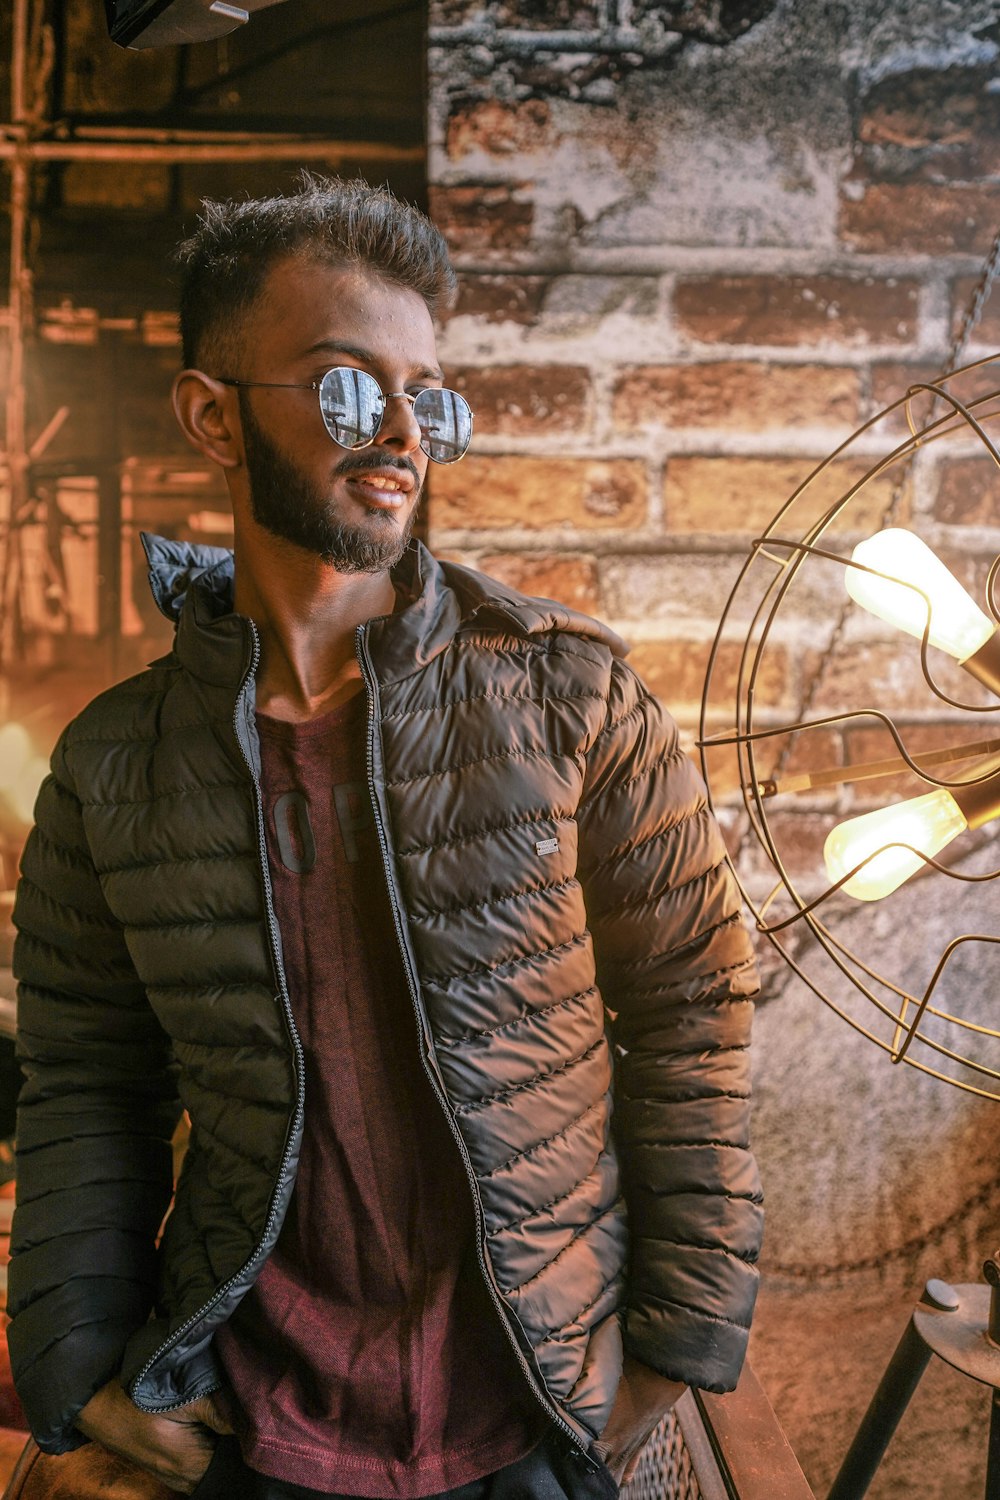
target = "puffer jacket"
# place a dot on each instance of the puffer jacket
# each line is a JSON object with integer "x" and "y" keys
{"x": 570, "y": 932}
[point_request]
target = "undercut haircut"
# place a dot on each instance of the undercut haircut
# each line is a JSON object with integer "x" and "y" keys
{"x": 332, "y": 220}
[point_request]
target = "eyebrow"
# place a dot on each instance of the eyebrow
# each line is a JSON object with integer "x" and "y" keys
{"x": 366, "y": 357}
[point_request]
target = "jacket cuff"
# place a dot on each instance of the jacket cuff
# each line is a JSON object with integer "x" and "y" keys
{"x": 688, "y": 1346}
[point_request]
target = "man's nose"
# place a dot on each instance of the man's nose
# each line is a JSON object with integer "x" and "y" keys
{"x": 400, "y": 429}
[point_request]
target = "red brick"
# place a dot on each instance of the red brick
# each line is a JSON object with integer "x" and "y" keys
{"x": 799, "y": 837}
{"x": 675, "y": 671}
{"x": 987, "y": 330}
{"x": 499, "y": 129}
{"x": 877, "y": 744}
{"x": 485, "y": 492}
{"x": 525, "y": 399}
{"x": 487, "y": 216}
{"x": 925, "y": 217}
{"x": 744, "y": 494}
{"x": 810, "y": 751}
{"x": 968, "y": 492}
{"x": 930, "y": 106}
{"x": 961, "y": 161}
{"x": 789, "y": 310}
{"x": 890, "y": 383}
{"x": 570, "y": 579}
{"x": 738, "y": 394}
{"x": 500, "y": 299}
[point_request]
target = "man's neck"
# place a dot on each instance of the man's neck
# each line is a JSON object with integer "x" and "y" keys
{"x": 306, "y": 614}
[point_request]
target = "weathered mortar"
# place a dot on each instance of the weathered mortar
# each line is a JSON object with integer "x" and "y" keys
{"x": 698, "y": 245}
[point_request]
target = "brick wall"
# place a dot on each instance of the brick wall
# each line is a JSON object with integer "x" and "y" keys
{"x": 699, "y": 244}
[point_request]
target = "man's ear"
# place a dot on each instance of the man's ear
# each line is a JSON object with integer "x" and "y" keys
{"x": 206, "y": 410}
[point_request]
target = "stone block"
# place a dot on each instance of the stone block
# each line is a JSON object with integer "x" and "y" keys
{"x": 738, "y": 394}
{"x": 926, "y": 218}
{"x": 792, "y": 310}
{"x": 486, "y": 492}
{"x": 525, "y": 399}
{"x": 744, "y": 494}
{"x": 484, "y": 216}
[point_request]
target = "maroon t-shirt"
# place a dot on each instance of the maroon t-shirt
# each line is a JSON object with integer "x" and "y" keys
{"x": 368, "y": 1359}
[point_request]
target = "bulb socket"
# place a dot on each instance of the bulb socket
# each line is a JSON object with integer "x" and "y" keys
{"x": 980, "y": 802}
{"x": 984, "y": 664}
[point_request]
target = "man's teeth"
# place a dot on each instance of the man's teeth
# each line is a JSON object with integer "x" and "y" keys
{"x": 381, "y": 484}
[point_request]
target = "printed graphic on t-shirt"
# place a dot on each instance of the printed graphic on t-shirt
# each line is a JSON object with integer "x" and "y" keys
{"x": 293, "y": 827}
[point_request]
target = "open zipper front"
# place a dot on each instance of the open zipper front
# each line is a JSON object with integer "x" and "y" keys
{"x": 295, "y": 1131}
{"x": 429, "y": 1062}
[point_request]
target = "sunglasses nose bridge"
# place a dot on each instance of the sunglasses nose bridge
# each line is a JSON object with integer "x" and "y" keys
{"x": 399, "y": 422}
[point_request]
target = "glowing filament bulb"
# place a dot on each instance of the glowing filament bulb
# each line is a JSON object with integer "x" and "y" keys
{"x": 957, "y": 624}
{"x": 927, "y": 823}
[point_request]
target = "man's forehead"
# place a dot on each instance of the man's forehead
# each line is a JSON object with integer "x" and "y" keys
{"x": 308, "y": 306}
{"x": 335, "y": 347}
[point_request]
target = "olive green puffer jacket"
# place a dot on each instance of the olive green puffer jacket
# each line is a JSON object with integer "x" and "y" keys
{"x": 556, "y": 880}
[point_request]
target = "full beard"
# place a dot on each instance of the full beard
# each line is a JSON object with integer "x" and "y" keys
{"x": 288, "y": 505}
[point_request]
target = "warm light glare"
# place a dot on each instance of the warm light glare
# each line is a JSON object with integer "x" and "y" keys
{"x": 15, "y": 752}
{"x": 927, "y": 823}
{"x": 957, "y": 625}
{"x": 23, "y": 793}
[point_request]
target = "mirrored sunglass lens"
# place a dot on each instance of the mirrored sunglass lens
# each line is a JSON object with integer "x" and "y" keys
{"x": 351, "y": 403}
{"x": 445, "y": 422}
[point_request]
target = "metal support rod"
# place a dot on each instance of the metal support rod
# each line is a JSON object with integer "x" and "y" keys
{"x": 139, "y": 149}
{"x": 992, "y": 1491}
{"x": 880, "y": 1421}
{"x": 20, "y": 308}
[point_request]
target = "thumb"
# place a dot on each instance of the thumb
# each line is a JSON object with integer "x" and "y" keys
{"x": 208, "y": 1411}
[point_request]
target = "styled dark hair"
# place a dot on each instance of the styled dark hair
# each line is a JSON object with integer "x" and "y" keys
{"x": 225, "y": 263}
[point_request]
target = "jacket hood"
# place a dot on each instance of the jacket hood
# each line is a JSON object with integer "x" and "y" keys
{"x": 193, "y": 583}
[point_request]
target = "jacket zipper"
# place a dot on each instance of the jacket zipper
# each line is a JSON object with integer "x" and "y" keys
{"x": 430, "y": 1066}
{"x": 295, "y": 1131}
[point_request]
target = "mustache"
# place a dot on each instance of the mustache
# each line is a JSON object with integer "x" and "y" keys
{"x": 375, "y": 458}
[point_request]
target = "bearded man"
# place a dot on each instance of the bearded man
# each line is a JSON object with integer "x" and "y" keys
{"x": 393, "y": 880}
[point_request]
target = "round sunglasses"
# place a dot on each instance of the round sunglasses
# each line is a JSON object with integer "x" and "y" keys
{"x": 352, "y": 405}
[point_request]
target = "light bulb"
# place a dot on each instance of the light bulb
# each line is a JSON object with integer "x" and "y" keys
{"x": 957, "y": 624}
{"x": 927, "y": 823}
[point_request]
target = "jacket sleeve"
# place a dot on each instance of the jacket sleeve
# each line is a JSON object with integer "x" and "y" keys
{"x": 95, "y": 1117}
{"x": 676, "y": 970}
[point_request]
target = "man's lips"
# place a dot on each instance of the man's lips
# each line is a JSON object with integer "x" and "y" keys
{"x": 385, "y": 484}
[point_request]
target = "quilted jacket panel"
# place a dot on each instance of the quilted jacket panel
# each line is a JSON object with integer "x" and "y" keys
{"x": 573, "y": 938}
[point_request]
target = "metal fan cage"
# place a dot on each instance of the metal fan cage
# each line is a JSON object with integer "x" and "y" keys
{"x": 779, "y": 773}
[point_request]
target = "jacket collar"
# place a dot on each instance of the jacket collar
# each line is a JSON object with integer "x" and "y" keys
{"x": 193, "y": 585}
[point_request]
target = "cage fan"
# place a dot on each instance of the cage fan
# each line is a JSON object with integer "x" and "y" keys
{"x": 850, "y": 734}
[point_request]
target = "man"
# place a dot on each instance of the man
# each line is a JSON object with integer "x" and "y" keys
{"x": 371, "y": 875}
